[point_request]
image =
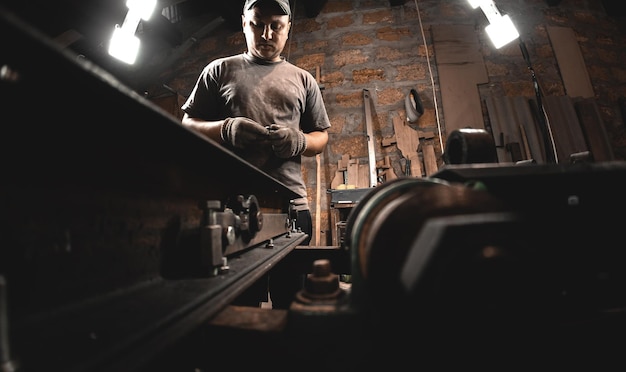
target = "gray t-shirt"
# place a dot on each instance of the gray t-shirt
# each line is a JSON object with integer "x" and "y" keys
{"x": 268, "y": 93}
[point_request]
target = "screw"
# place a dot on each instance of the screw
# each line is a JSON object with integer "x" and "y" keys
{"x": 321, "y": 281}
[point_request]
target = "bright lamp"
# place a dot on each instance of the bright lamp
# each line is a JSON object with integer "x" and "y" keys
{"x": 124, "y": 45}
{"x": 501, "y": 29}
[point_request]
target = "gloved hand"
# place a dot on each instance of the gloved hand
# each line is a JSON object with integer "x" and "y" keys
{"x": 287, "y": 142}
{"x": 242, "y": 132}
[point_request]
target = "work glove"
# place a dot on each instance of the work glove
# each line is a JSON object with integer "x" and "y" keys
{"x": 242, "y": 132}
{"x": 287, "y": 142}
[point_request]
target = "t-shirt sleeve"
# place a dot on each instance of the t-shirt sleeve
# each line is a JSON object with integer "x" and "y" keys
{"x": 315, "y": 115}
{"x": 201, "y": 103}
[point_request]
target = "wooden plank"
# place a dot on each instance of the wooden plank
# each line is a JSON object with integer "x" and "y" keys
{"x": 566, "y": 131}
{"x": 460, "y": 98}
{"x": 461, "y": 68}
{"x": 388, "y": 173}
{"x": 456, "y": 43}
{"x": 559, "y": 133}
{"x": 343, "y": 163}
{"x": 525, "y": 144}
{"x": 337, "y": 179}
{"x": 504, "y": 134}
{"x": 574, "y": 130}
{"x": 426, "y": 134}
{"x": 496, "y": 129}
{"x": 340, "y": 173}
{"x": 514, "y": 127}
{"x": 408, "y": 143}
{"x": 388, "y": 141}
{"x": 352, "y": 177}
{"x": 364, "y": 176}
{"x": 593, "y": 129}
{"x": 430, "y": 160}
{"x": 510, "y": 128}
{"x": 545, "y": 132}
{"x": 571, "y": 62}
{"x": 519, "y": 132}
{"x": 536, "y": 150}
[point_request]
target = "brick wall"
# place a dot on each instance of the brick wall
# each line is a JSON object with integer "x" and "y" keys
{"x": 370, "y": 44}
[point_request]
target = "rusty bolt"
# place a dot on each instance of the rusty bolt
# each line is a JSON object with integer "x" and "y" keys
{"x": 321, "y": 281}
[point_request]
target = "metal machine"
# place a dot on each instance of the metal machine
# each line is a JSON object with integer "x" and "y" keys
{"x": 121, "y": 229}
{"x": 125, "y": 238}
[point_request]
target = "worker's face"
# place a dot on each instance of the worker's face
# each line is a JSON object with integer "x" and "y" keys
{"x": 266, "y": 32}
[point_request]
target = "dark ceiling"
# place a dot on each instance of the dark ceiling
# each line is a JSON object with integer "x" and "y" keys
{"x": 85, "y": 26}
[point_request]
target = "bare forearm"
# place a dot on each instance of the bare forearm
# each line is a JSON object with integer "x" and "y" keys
{"x": 210, "y": 129}
{"x": 315, "y": 143}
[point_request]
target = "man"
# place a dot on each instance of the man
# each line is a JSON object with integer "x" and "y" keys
{"x": 267, "y": 110}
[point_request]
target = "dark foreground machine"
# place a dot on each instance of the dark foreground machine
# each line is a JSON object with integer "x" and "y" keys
{"x": 125, "y": 238}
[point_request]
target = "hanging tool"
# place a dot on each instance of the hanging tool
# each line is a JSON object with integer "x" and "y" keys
{"x": 318, "y": 175}
{"x": 370, "y": 139}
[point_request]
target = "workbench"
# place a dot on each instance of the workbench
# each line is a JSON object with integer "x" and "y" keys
{"x": 341, "y": 204}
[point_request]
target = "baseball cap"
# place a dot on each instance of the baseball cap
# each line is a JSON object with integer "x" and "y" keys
{"x": 284, "y": 5}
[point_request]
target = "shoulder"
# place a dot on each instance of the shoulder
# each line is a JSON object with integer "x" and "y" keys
{"x": 297, "y": 69}
{"x": 224, "y": 61}
{"x": 301, "y": 73}
{"x": 216, "y": 69}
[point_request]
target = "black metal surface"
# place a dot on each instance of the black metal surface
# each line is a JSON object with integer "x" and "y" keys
{"x": 72, "y": 123}
{"x": 348, "y": 196}
{"x": 99, "y": 214}
{"x": 301, "y": 259}
{"x": 128, "y": 328}
{"x": 470, "y": 145}
{"x": 527, "y": 186}
{"x": 560, "y": 255}
{"x": 99, "y": 185}
{"x": 101, "y": 195}
{"x": 507, "y": 264}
